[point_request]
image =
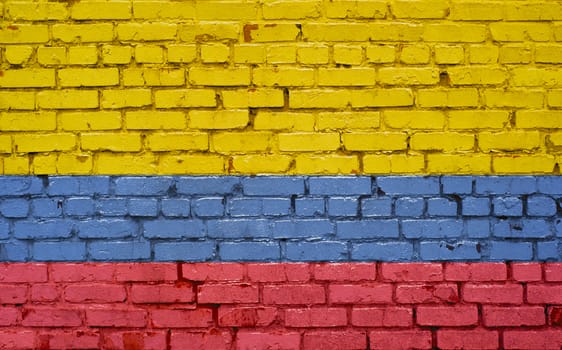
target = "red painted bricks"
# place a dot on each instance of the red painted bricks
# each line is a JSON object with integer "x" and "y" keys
{"x": 300, "y": 306}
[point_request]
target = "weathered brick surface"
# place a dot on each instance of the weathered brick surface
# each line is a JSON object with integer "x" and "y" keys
{"x": 281, "y": 87}
{"x": 304, "y": 218}
{"x": 229, "y": 306}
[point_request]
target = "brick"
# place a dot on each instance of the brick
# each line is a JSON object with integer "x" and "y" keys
{"x": 152, "y": 76}
{"x": 24, "y": 33}
{"x": 94, "y": 293}
{"x": 146, "y": 31}
{"x": 543, "y": 294}
{"x": 59, "y": 251}
{"x": 339, "y": 185}
{"x": 319, "y": 251}
{"x": 262, "y": 340}
{"x": 396, "y": 31}
{"x": 17, "y": 339}
{"x": 233, "y": 316}
{"x": 382, "y": 316}
{"x": 552, "y": 272}
{"x": 44, "y": 293}
{"x": 342, "y": 206}
{"x": 412, "y": 272}
{"x": 121, "y": 340}
{"x": 288, "y": 294}
{"x": 447, "y": 315}
{"x": 510, "y": 251}
{"x": 249, "y": 251}
{"x": 36, "y": 12}
{"x": 479, "y": 272}
{"x": 525, "y": 228}
{"x": 494, "y": 316}
{"x": 220, "y": 340}
{"x": 391, "y": 251}
{"x": 449, "y": 54}
{"x": 238, "y": 228}
{"x": 360, "y": 294}
{"x": 279, "y": 54}
{"x": 253, "y": 98}
{"x": 493, "y": 294}
{"x": 54, "y": 228}
{"x": 47, "y": 317}
{"x": 85, "y": 33}
{"x": 496, "y": 98}
{"x": 462, "y": 250}
{"x": 407, "y": 339}
{"x": 353, "y": 9}
{"x": 184, "y": 251}
{"x": 174, "y": 228}
{"x": 459, "y": 97}
{"x": 415, "y": 54}
{"x": 441, "y": 207}
{"x": 68, "y": 99}
{"x": 334, "y": 340}
{"x": 119, "y": 250}
{"x": 213, "y": 272}
{"x": 275, "y": 272}
{"x": 13, "y": 294}
{"x": 89, "y": 10}
{"x": 367, "y": 228}
{"x": 184, "y": 98}
{"x": 181, "y": 318}
{"x": 532, "y": 339}
{"x": 181, "y": 53}
{"x": 9, "y": 316}
{"x": 18, "y": 54}
{"x": 513, "y": 32}
{"x": 113, "y": 317}
{"x": 18, "y": 100}
{"x": 515, "y": 54}
{"x": 72, "y": 339}
{"x": 372, "y": 142}
{"x": 161, "y": 293}
{"x": 396, "y": 97}
{"x": 327, "y": 165}
{"x": 526, "y": 272}
{"x": 209, "y": 76}
{"x": 345, "y": 272}
{"x": 442, "y": 141}
{"x": 34, "y": 77}
{"x": 380, "y": 54}
{"x": 316, "y": 317}
{"x": 420, "y": 9}
{"x": 427, "y": 293}
{"x": 472, "y": 33}
{"x": 227, "y": 142}
{"x": 346, "y": 77}
{"x": 283, "y": 76}
{"x": 467, "y": 339}
{"x": 408, "y": 185}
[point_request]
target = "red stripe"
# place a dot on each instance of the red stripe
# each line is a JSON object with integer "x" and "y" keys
{"x": 280, "y": 305}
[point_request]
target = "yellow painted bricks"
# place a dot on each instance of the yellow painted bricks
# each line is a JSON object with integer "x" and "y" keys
{"x": 281, "y": 87}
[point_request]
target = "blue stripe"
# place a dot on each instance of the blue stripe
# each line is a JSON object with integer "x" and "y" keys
{"x": 281, "y": 218}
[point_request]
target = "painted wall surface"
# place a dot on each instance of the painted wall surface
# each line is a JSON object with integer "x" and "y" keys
{"x": 286, "y": 87}
{"x": 281, "y": 174}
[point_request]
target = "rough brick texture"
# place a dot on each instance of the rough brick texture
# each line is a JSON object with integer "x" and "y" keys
{"x": 275, "y": 218}
{"x": 284, "y": 87}
{"x": 303, "y": 306}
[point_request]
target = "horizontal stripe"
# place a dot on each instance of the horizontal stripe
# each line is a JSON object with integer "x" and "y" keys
{"x": 295, "y": 306}
{"x": 265, "y": 218}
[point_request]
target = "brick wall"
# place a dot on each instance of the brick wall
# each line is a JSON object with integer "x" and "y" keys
{"x": 299, "y": 218}
{"x": 286, "y": 87}
{"x": 285, "y": 306}
{"x": 196, "y": 97}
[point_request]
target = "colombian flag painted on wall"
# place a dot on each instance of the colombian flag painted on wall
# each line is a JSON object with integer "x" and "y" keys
{"x": 280, "y": 174}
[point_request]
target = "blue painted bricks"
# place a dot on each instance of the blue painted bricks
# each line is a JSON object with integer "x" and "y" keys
{"x": 268, "y": 218}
